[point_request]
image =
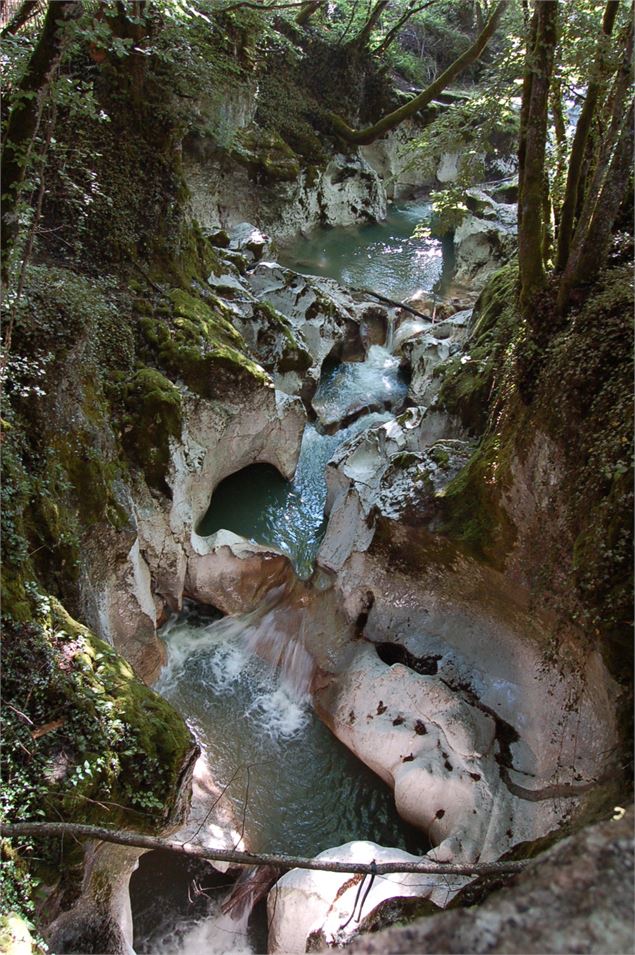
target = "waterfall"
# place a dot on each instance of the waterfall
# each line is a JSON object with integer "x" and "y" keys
{"x": 215, "y": 935}
{"x": 390, "y": 331}
{"x": 276, "y": 634}
{"x": 252, "y": 885}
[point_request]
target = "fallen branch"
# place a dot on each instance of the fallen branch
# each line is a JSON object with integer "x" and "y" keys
{"x": 46, "y": 829}
{"x": 391, "y": 301}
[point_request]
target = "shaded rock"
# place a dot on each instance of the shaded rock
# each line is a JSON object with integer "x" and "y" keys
{"x": 355, "y": 473}
{"x": 481, "y": 247}
{"x": 101, "y": 920}
{"x": 576, "y": 897}
{"x": 321, "y": 313}
{"x": 249, "y": 241}
{"x": 289, "y": 200}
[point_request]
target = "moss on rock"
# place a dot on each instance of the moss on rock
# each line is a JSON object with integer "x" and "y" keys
{"x": 468, "y": 380}
{"x": 199, "y": 345}
{"x": 105, "y": 743}
{"x": 152, "y": 417}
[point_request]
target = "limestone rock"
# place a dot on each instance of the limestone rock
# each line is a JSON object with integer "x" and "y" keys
{"x": 235, "y": 574}
{"x": 309, "y": 907}
{"x": 250, "y": 241}
{"x": 101, "y": 920}
{"x": 576, "y": 897}
{"x": 481, "y": 246}
{"x": 319, "y": 311}
{"x": 355, "y": 473}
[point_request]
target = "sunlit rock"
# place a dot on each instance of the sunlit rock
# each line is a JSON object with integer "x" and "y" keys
{"x": 235, "y": 574}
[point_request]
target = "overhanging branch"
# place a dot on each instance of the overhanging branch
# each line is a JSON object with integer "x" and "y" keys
{"x": 75, "y": 830}
{"x": 362, "y": 137}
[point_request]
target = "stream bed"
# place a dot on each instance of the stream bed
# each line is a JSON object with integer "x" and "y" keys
{"x": 289, "y": 783}
{"x": 388, "y": 256}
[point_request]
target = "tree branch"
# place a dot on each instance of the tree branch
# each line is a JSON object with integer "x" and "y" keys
{"x": 381, "y": 48}
{"x": 47, "y": 829}
{"x": 362, "y": 137}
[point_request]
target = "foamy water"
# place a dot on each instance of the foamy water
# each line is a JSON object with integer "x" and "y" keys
{"x": 373, "y": 383}
{"x": 213, "y": 935}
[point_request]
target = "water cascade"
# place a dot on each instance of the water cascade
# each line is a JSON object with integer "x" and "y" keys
{"x": 244, "y": 682}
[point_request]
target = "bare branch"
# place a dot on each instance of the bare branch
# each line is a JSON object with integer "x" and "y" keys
{"x": 118, "y": 837}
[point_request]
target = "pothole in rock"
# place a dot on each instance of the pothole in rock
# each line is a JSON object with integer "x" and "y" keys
{"x": 176, "y": 908}
{"x": 391, "y": 653}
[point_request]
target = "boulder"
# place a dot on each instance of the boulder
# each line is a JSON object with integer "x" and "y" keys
{"x": 309, "y": 907}
{"x": 481, "y": 247}
{"x": 355, "y": 474}
{"x": 320, "y": 313}
{"x": 575, "y": 897}
{"x": 235, "y": 574}
{"x": 249, "y": 241}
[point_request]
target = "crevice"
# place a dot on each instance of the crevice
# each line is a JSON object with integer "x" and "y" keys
{"x": 392, "y": 653}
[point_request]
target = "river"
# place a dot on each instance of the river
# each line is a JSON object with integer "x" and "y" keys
{"x": 291, "y": 784}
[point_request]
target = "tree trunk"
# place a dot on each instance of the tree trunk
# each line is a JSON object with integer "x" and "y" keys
{"x": 580, "y": 139}
{"x": 22, "y": 15}
{"x": 590, "y": 247}
{"x": 363, "y": 137}
{"x": 531, "y": 230}
{"x": 605, "y": 168}
{"x": 363, "y": 36}
{"x": 23, "y": 119}
{"x": 307, "y": 11}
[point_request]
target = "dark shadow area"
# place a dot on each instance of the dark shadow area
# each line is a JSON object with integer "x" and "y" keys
{"x": 392, "y": 653}
{"x": 170, "y": 894}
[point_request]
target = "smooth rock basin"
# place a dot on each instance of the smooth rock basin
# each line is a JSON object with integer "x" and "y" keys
{"x": 479, "y": 752}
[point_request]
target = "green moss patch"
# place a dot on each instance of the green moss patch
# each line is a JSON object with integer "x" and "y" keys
{"x": 471, "y": 509}
{"x": 469, "y": 379}
{"x": 199, "y": 345}
{"x": 266, "y": 156}
{"x": 92, "y": 741}
{"x": 152, "y": 416}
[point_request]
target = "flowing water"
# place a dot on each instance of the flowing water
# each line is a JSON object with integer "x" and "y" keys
{"x": 383, "y": 256}
{"x": 290, "y": 785}
{"x": 258, "y": 503}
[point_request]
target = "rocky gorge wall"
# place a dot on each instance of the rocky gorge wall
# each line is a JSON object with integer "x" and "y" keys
{"x": 197, "y": 361}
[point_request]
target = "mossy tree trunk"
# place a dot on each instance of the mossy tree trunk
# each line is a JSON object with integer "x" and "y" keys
{"x": 308, "y": 10}
{"x": 533, "y": 139}
{"x": 362, "y": 137}
{"x": 581, "y": 137}
{"x": 591, "y": 244}
{"x": 362, "y": 38}
{"x": 606, "y": 184}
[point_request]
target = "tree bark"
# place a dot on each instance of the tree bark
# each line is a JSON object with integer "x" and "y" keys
{"x": 22, "y": 15}
{"x": 362, "y": 38}
{"x": 363, "y": 137}
{"x": 307, "y": 11}
{"x": 534, "y": 115}
{"x": 589, "y": 225}
{"x": 23, "y": 119}
{"x": 591, "y": 245}
{"x": 281, "y": 861}
{"x": 581, "y": 136}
